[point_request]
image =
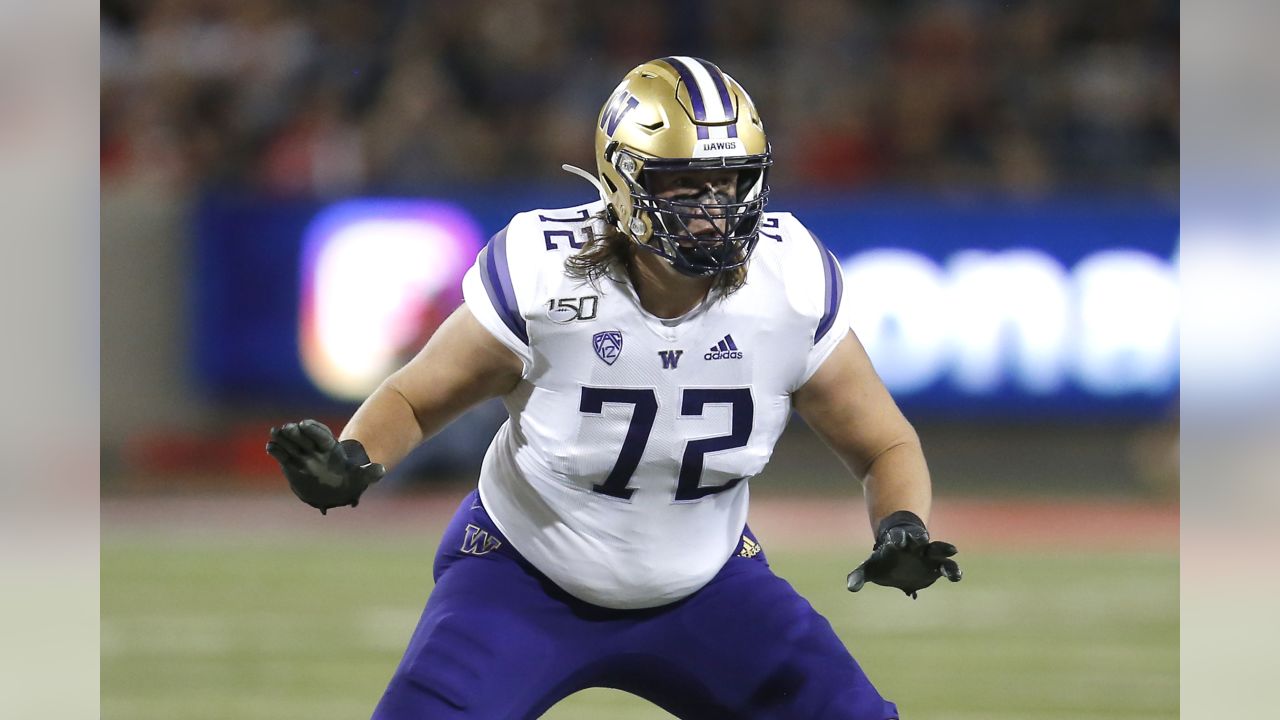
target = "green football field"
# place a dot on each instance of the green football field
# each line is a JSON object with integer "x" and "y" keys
{"x": 244, "y": 626}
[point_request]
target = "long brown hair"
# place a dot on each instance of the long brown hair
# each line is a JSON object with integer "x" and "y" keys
{"x": 608, "y": 254}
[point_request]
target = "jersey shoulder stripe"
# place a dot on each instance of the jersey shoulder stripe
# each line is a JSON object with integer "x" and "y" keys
{"x": 834, "y": 284}
{"x": 805, "y": 264}
{"x": 521, "y": 261}
{"x": 496, "y": 275}
{"x": 812, "y": 284}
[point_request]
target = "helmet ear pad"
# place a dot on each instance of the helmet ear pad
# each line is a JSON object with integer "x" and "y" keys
{"x": 638, "y": 227}
{"x": 619, "y": 173}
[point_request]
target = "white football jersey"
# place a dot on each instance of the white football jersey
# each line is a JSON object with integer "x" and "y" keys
{"x": 622, "y": 472}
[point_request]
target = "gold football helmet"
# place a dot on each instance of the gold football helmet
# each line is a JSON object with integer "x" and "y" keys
{"x": 683, "y": 114}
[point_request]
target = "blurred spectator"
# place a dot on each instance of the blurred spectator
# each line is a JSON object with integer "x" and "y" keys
{"x": 333, "y": 97}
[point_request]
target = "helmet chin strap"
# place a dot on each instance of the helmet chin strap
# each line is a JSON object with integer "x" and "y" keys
{"x": 637, "y": 226}
{"x": 589, "y": 178}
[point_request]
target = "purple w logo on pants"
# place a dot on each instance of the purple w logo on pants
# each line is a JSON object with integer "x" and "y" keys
{"x": 478, "y": 542}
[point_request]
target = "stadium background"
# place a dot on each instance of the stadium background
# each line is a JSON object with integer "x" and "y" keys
{"x": 934, "y": 127}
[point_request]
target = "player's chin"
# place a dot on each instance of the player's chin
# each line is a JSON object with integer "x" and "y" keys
{"x": 707, "y": 237}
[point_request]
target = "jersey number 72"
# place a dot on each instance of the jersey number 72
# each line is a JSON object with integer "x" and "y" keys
{"x": 645, "y": 410}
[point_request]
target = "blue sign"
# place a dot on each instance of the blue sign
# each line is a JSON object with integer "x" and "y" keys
{"x": 1057, "y": 309}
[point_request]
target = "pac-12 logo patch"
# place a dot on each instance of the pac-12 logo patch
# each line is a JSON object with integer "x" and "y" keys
{"x": 608, "y": 345}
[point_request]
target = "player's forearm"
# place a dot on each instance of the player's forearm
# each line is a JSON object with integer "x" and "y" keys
{"x": 461, "y": 365}
{"x": 386, "y": 426}
{"x": 898, "y": 479}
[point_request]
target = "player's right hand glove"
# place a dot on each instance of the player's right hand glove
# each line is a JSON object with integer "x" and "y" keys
{"x": 322, "y": 472}
{"x": 903, "y": 557}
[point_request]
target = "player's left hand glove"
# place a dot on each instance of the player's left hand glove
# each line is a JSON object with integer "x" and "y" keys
{"x": 903, "y": 557}
{"x": 321, "y": 471}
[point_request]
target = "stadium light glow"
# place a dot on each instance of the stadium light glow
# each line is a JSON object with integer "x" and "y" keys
{"x": 897, "y": 296}
{"x": 375, "y": 275}
{"x": 986, "y": 321}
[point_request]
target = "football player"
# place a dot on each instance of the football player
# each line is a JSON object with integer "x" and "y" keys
{"x": 650, "y": 347}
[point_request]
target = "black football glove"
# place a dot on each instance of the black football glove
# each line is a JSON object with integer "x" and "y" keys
{"x": 903, "y": 557}
{"x": 322, "y": 472}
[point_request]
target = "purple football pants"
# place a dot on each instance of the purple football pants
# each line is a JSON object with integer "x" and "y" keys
{"x": 499, "y": 641}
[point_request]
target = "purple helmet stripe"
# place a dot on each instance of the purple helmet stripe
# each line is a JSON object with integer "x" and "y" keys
{"x": 497, "y": 284}
{"x": 717, "y": 78}
{"x": 695, "y": 94}
{"x": 834, "y": 289}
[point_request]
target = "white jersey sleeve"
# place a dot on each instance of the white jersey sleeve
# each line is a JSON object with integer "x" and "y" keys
{"x": 498, "y": 297}
{"x": 816, "y": 287}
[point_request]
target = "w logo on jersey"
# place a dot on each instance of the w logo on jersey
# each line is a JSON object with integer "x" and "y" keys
{"x": 479, "y": 542}
{"x": 670, "y": 358}
{"x": 608, "y": 345}
{"x": 621, "y": 104}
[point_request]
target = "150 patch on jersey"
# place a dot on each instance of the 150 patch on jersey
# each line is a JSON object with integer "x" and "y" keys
{"x": 566, "y": 310}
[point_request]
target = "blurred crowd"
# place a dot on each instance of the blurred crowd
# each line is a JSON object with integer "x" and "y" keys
{"x": 328, "y": 97}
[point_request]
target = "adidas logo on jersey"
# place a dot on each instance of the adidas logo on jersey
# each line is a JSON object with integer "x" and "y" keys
{"x": 726, "y": 349}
